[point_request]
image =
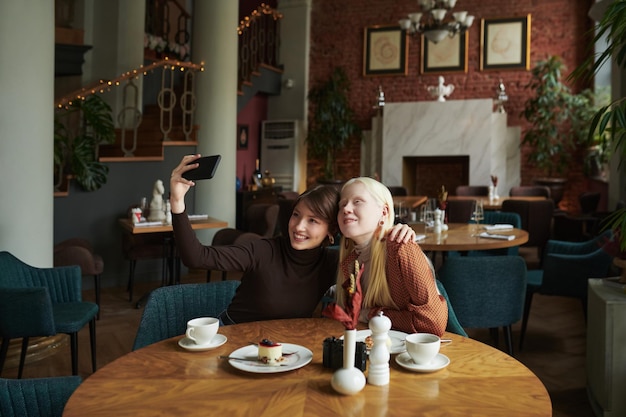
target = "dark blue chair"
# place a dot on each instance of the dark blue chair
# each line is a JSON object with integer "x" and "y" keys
{"x": 39, "y": 397}
{"x": 453, "y": 322}
{"x": 536, "y": 219}
{"x": 168, "y": 309}
{"x": 567, "y": 266}
{"x": 70, "y": 312}
{"x": 24, "y": 312}
{"x": 486, "y": 292}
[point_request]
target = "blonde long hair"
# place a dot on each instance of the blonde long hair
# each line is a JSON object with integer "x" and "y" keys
{"x": 378, "y": 289}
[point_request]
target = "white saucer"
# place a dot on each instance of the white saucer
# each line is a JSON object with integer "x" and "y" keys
{"x": 440, "y": 362}
{"x": 218, "y": 340}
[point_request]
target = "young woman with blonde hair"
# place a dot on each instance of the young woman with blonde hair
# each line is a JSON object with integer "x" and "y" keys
{"x": 397, "y": 279}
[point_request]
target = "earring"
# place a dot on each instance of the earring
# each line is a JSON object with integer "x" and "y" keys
{"x": 381, "y": 222}
{"x": 331, "y": 240}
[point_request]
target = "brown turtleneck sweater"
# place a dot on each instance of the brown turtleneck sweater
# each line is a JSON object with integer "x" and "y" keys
{"x": 278, "y": 282}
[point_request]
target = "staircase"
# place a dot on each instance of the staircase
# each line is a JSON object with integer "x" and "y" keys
{"x": 163, "y": 121}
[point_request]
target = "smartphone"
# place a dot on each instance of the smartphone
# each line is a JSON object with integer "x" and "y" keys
{"x": 206, "y": 168}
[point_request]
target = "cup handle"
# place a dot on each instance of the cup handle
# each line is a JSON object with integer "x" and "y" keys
{"x": 189, "y": 334}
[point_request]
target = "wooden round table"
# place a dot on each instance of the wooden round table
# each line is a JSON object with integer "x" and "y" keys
{"x": 165, "y": 379}
{"x": 464, "y": 237}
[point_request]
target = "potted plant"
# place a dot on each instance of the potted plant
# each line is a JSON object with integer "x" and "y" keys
{"x": 332, "y": 123}
{"x": 609, "y": 122}
{"x": 78, "y": 131}
{"x": 559, "y": 122}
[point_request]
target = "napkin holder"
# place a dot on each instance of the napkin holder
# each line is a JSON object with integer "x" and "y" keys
{"x": 333, "y": 354}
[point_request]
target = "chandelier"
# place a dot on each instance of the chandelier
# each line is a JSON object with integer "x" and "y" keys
{"x": 434, "y": 21}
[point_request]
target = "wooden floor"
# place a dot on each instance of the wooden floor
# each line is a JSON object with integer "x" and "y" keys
{"x": 554, "y": 349}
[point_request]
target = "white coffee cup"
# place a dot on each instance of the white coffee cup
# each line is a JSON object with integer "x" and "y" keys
{"x": 202, "y": 330}
{"x": 422, "y": 347}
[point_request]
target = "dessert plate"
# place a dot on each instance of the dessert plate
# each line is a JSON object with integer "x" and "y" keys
{"x": 440, "y": 362}
{"x": 397, "y": 339}
{"x": 188, "y": 344}
{"x": 249, "y": 361}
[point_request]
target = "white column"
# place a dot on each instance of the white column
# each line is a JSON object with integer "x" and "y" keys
{"x": 215, "y": 44}
{"x": 294, "y": 55}
{"x": 116, "y": 30}
{"x": 26, "y": 129}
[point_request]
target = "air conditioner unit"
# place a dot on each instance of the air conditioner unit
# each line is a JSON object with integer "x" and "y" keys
{"x": 283, "y": 153}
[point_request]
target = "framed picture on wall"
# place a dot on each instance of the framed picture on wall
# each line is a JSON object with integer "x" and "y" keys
{"x": 242, "y": 136}
{"x": 447, "y": 55}
{"x": 385, "y": 51}
{"x": 505, "y": 43}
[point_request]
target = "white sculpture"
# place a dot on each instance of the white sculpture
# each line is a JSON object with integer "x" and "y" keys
{"x": 156, "y": 204}
{"x": 441, "y": 91}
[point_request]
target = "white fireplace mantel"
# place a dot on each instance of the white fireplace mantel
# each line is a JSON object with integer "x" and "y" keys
{"x": 453, "y": 127}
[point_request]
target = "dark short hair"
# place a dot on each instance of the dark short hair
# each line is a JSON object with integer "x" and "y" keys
{"x": 323, "y": 201}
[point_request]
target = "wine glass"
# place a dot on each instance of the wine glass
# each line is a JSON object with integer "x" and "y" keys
{"x": 478, "y": 214}
{"x": 427, "y": 214}
{"x": 402, "y": 212}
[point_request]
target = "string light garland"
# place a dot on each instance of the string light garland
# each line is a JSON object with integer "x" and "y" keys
{"x": 103, "y": 86}
{"x": 263, "y": 9}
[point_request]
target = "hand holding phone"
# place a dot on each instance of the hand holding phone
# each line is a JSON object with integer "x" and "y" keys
{"x": 207, "y": 165}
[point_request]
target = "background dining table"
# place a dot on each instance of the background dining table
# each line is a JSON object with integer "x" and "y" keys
{"x": 171, "y": 268}
{"x": 165, "y": 379}
{"x": 494, "y": 203}
{"x": 410, "y": 201}
{"x": 465, "y": 237}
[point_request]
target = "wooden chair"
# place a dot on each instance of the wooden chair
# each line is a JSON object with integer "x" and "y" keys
{"x": 459, "y": 211}
{"x": 397, "y": 190}
{"x": 285, "y": 208}
{"x": 262, "y": 218}
{"x": 472, "y": 190}
{"x": 78, "y": 251}
{"x": 530, "y": 190}
{"x": 579, "y": 227}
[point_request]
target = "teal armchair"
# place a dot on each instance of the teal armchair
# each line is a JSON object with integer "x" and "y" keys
{"x": 453, "y": 325}
{"x": 168, "y": 309}
{"x": 24, "y": 312}
{"x": 64, "y": 286}
{"x": 487, "y": 292}
{"x": 39, "y": 397}
{"x": 567, "y": 266}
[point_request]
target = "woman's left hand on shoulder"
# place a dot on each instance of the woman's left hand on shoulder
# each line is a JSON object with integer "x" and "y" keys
{"x": 401, "y": 233}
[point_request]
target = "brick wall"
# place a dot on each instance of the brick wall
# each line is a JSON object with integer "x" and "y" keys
{"x": 337, "y": 33}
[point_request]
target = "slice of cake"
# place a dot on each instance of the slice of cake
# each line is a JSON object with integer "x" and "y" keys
{"x": 270, "y": 353}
